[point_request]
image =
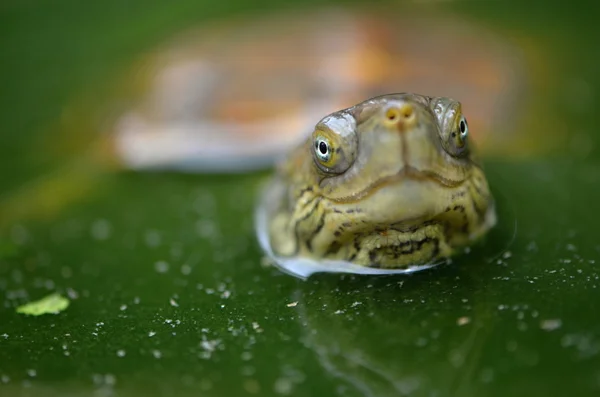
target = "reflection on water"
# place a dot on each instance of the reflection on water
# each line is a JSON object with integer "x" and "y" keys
{"x": 401, "y": 337}
{"x": 416, "y": 335}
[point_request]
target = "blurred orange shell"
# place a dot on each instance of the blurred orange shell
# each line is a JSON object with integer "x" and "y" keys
{"x": 236, "y": 95}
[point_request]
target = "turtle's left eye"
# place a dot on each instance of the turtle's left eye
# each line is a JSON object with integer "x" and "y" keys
{"x": 457, "y": 142}
{"x": 463, "y": 128}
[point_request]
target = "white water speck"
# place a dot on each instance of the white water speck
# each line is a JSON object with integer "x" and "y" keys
{"x": 209, "y": 346}
{"x": 283, "y": 386}
{"x": 104, "y": 380}
{"x": 186, "y": 269}
{"x": 161, "y": 267}
{"x": 121, "y": 353}
{"x": 151, "y": 334}
{"x": 32, "y": 373}
{"x": 551, "y": 324}
{"x": 101, "y": 229}
{"x": 71, "y": 293}
{"x": 157, "y": 354}
{"x": 292, "y": 304}
{"x": 256, "y": 327}
{"x": 123, "y": 307}
{"x": 110, "y": 379}
{"x": 205, "y": 228}
{"x": 173, "y": 302}
{"x": 152, "y": 238}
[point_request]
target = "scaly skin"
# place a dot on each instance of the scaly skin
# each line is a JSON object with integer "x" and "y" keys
{"x": 391, "y": 182}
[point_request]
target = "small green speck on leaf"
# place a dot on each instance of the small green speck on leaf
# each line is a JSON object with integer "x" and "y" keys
{"x": 51, "y": 304}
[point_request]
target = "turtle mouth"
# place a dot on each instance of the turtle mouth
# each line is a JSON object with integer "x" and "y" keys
{"x": 406, "y": 173}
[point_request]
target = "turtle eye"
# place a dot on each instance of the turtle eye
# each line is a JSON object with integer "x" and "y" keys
{"x": 334, "y": 143}
{"x": 463, "y": 128}
{"x": 457, "y": 140}
{"x": 323, "y": 149}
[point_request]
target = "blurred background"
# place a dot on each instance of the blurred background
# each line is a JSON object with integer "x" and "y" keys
{"x": 134, "y": 137}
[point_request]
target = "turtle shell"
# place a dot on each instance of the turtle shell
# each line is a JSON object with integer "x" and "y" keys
{"x": 236, "y": 95}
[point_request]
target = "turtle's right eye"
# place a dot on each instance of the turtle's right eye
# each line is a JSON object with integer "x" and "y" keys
{"x": 334, "y": 143}
{"x": 323, "y": 149}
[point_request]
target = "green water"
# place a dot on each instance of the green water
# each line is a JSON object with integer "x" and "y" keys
{"x": 168, "y": 294}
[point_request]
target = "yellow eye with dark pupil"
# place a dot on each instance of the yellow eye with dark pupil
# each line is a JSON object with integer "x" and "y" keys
{"x": 463, "y": 127}
{"x": 322, "y": 149}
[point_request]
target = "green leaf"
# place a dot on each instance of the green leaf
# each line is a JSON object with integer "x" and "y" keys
{"x": 51, "y": 304}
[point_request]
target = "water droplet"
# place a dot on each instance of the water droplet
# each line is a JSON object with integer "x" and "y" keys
{"x": 550, "y": 324}
{"x": 161, "y": 267}
{"x": 101, "y": 229}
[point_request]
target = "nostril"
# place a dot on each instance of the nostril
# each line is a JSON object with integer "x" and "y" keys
{"x": 406, "y": 111}
{"x": 400, "y": 114}
{"x": 392, "y": 114}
